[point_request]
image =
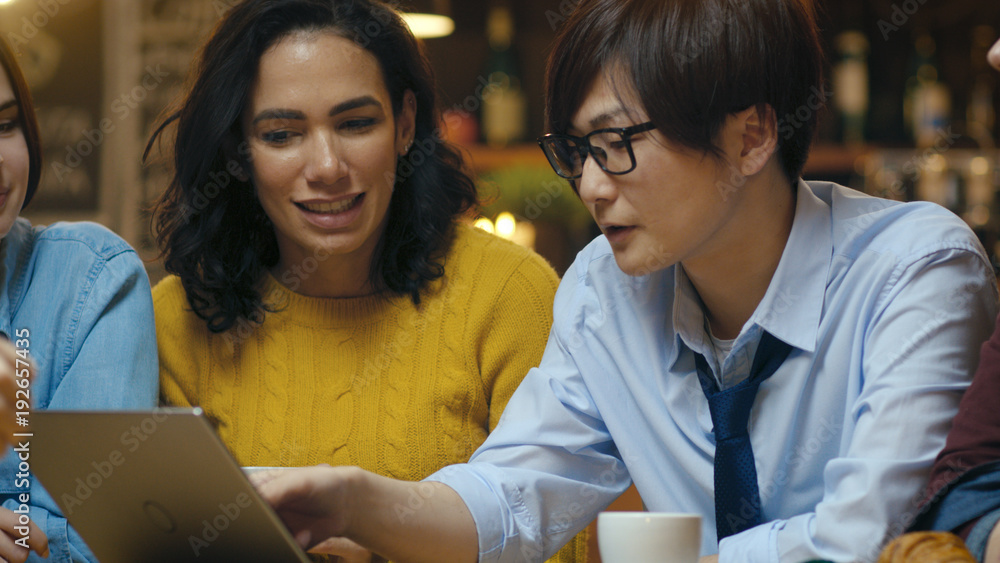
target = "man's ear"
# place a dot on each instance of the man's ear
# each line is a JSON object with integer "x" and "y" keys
{"x": 758, "y": 129}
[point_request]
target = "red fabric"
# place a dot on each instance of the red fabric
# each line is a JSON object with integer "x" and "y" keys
{"x": 966, "y": 529}
{"x": 975, "y": 435}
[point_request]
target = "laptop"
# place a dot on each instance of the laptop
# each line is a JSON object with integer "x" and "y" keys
{"x": 154, "y": 486}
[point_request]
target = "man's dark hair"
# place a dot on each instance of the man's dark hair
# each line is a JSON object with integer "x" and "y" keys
{"x": 692, "y": 63}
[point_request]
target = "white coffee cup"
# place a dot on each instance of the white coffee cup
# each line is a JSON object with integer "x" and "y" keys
{"x": 648, "y": 537}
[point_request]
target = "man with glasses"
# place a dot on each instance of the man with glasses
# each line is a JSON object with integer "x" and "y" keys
{"x": 782, "y": 357}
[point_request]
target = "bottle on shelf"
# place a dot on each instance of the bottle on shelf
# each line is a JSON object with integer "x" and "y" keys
{"x": 979, "y": 193}
{"x": 927, "y": 107}
{"x": 504, "y": 107}
{"x": 850, "y": 85}
{"x": 980, "y": 118}
{"x": 939, "y": 183}
{"x": 980, "y": 115}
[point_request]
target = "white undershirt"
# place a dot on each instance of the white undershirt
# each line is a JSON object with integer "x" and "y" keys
{"x": 721, "y": 348}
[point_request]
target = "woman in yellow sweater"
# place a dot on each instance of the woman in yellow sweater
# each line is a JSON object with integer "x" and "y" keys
{"x": 326, "y": 305}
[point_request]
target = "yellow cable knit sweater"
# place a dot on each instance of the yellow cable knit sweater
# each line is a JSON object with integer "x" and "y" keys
{"x": 373, "y": 381}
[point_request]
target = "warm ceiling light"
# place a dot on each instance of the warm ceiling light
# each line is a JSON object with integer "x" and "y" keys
{"x": 426, "y": 26}
{"x": 428, "y": 18}
{"x": 2, "y": 2}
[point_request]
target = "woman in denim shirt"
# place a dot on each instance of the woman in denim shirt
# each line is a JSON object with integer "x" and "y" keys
{"x": 76, "y": 298}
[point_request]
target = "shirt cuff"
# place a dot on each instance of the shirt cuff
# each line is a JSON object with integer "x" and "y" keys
{"x": 980, "y": 534}
{"x": 481, "y": 501}
{"x": 756, "y": 545}
{"x": 58, "y": 541}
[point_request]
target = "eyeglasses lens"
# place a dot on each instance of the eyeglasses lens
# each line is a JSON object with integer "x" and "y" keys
{"x": 565, "y": 156}
{"x": 611, "y": 152}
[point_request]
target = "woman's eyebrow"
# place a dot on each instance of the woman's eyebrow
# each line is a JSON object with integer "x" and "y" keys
{"x": 291, "y": 114}
{"x": 354, "y": 103}
{"x": 283, "y": 114}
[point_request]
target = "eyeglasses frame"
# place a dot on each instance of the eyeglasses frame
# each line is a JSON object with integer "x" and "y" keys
{"x": 585, "y": 148}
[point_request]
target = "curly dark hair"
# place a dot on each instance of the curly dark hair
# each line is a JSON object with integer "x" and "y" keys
{"x": 212, "y": 230}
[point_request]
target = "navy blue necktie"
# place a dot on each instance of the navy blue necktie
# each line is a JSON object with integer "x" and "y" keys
{"x": 737, "y": 498}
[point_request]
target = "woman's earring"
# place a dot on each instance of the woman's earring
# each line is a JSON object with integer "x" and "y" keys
{"x": 406, "y": 149}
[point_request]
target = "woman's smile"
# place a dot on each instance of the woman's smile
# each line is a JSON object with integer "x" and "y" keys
{"x": 333, "y": 215}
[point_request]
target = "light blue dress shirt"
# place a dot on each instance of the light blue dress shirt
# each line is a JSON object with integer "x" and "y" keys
{"x": 83, "y": 297}
{"x": 885, "y": 304}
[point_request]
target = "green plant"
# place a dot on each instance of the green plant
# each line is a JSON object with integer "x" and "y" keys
{"x": 533, "y": 193}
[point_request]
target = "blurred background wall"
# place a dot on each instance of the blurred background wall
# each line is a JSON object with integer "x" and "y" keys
{"x": 911, "y": 105}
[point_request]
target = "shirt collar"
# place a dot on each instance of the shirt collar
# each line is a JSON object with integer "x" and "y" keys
{"x": 689, "y": 314}
{"x": 793, "y": 303}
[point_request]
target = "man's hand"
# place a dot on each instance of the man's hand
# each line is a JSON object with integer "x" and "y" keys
{"x": 310, "y": 500}
{"x": 10, "y": 551}
{"x": 322, "y": 503}
{"x": 345, "y": 550}
{"x": 709, "y": 559}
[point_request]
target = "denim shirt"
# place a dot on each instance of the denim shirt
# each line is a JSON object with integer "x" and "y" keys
{"x": 77, "y": 297}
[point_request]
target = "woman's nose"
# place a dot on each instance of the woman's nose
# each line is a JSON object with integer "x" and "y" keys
{"x": 325, "y": 165}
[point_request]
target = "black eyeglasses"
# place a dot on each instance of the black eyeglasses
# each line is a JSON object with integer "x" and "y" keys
{"x": 611, "y": 149}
